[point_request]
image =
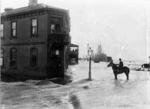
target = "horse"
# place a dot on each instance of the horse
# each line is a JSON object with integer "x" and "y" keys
{"x": 116, "y": 70}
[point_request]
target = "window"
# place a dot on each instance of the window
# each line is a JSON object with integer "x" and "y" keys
{"x": 13, "y": 29}
{"x": 2, "y": 57}
{"x": 53, "y": 30}
{"x": 13, "y": 58}
{"x": 2, "y": 30}
{"x": 34, "y": 27}
{"x": 55, "y": 25}
{"x": 33, "y": 57}
{"x": 55, "y": 53}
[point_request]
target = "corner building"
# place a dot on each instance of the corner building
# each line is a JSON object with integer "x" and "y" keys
{"x": 34, "y": 41}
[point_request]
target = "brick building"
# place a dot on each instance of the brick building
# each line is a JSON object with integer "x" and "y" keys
{"x": 34, "y": 40}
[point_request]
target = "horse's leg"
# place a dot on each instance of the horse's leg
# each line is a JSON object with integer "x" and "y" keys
{"x": 127, "y": 75}
{"x": 115, "y": 74}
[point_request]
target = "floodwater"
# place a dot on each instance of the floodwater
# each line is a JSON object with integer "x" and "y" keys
{"x": 103, "y": 92}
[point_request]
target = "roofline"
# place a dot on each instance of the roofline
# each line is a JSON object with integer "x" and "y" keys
{"x": 33, "y": 8}
{"x": 73, "y": 45}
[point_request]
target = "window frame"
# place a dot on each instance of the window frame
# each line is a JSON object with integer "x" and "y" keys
{"x": 56, "y": 22}
{"x": 12, "y": 30}
{"x": 34, "y": 67}
{"x": 11, "y": 59}
{"x": 34, "y": 26}
{"x": 2, "y": 31}
{"x": 2, "y": 57}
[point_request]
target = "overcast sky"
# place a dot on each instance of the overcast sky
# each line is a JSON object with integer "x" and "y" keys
{"x": 121, "y": 26}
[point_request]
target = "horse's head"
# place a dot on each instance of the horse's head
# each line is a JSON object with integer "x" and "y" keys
{"x": 110, "y": 64}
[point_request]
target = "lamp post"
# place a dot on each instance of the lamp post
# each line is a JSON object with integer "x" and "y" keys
{"x": 90, "y": 51}
{"x": 149, "y": 64}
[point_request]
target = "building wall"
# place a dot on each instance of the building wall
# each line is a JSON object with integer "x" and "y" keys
{"x": 24, "y": 43}
{"x": 24, "y": 30}
{"x": 23, "y": 60}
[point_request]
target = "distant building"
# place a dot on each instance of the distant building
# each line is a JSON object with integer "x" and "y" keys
{"x": 35, "y": 40}
{"x": 73, "y": 54}
{"x": 99, "y": 55}
{"x": 109, "y": 58}
{"x": 99, "y": 50}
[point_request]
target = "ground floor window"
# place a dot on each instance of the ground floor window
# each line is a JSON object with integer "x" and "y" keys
{"x": 2, "y": 57}
{"x": 13, "y": 58}
{"x": 33, "y": 57}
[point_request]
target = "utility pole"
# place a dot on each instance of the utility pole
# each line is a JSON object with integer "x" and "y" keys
{"x": 90, "y": 51}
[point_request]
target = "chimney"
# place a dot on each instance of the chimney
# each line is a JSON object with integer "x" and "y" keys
{"x": 32, "y": 2}
{"x": 8, "y": 9}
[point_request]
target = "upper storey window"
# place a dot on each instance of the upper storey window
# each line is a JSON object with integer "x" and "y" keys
{"x": 34, "y": 27}
{"x": 2, "y": 30}
{"x": 55, "y": 25}
{"x": 13, "y": 29}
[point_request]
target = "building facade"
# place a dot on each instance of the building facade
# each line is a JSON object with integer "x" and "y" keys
{"x": 34, "y": 40}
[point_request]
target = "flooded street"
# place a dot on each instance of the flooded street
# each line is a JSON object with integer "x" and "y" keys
{"x": 103, "y": 92}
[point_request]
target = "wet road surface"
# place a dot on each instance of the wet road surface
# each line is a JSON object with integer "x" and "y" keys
{"x": 103, "y": 92}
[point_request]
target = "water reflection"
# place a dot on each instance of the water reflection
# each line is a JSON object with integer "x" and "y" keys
{"x": 75, "y": 101}
{"x": 119, "y": 83}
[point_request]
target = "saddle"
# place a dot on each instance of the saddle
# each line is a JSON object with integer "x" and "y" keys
{"x": 119, "y": 69}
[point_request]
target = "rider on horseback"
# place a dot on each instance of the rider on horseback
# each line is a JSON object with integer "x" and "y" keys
{"x": 119, "y": 69}
{"x": 120, "y": 64}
